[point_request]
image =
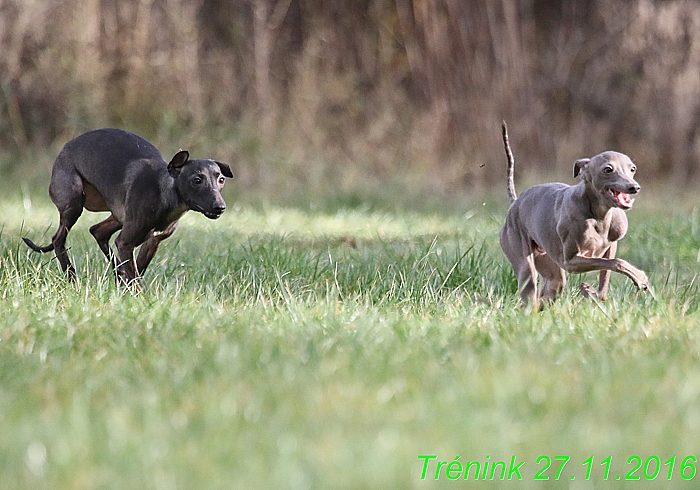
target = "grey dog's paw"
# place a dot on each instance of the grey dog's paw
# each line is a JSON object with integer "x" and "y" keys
{"x": 642, "y": 281}
{"x": 645, "y": 285}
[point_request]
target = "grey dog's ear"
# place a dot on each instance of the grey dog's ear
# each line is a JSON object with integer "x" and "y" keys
{"x": 579, "y": 165}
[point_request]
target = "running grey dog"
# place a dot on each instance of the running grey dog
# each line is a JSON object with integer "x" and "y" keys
{"x": 117, "y": 171}
{"x": 554, "y": 227}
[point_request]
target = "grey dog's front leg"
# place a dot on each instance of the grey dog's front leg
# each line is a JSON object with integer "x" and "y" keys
{"x": 579, "y": 263}
{"x": 604, "y": 278}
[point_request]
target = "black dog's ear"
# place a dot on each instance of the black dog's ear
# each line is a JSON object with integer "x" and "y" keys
{"x": 225, "y": 169}
{"x": 580, "y": 165}
{"x": 178, "y": 161}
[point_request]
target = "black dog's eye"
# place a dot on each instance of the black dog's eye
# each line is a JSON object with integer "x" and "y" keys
{"x": 608, "y": 169}
{"x": 197, "y": 180}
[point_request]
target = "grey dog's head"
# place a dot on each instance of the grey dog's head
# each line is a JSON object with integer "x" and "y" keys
{"x": 611, "y": 175}
{"x": 199, "y": 183}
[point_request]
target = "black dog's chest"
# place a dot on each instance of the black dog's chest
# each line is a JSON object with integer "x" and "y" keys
{"x": 169, "y": 217}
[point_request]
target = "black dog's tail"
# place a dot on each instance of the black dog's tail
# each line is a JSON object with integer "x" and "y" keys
{"x": 511, "y": 166}
{"x": 36, "y": 247}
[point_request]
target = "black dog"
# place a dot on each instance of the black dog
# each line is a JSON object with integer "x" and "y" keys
{"x": 117, "y": 171}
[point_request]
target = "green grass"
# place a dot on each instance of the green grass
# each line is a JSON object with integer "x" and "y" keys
{"x": 290, "y": 349}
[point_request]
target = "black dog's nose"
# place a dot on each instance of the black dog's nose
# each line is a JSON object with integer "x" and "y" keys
{"x": 219, "y": 208}
{"x": 633, "y": 189}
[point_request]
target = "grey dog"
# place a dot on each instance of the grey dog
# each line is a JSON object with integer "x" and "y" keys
{"x": 120, "y": 172}
{"x": 555, "y": 227}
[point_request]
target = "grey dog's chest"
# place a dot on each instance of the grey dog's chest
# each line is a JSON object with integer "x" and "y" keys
{"x": 613, "y": 227}
{"x": 599, "y": 234}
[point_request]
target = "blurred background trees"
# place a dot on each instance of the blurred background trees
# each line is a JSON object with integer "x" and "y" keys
{"x": 357, "y": 91}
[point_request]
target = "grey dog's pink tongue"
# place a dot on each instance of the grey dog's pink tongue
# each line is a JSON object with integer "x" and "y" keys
{"x": 622, "y": 199}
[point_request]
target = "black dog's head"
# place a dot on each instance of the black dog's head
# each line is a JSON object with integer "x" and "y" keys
{"x": 199, "y": 183}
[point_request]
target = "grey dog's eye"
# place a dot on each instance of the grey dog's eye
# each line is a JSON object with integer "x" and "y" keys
{"x": 608, "y": 169}
{"x": 633, "y": 169}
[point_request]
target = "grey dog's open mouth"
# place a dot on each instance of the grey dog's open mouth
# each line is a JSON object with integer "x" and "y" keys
{"x": 622, "y": 199}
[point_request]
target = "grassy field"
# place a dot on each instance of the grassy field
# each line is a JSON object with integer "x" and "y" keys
{"x": 293, "y": 348}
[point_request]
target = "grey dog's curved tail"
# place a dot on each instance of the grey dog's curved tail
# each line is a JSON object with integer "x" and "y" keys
{"x": 511, "y": 165}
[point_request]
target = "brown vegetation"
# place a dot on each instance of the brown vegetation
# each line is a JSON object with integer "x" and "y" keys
{"x": 318, "y": 90}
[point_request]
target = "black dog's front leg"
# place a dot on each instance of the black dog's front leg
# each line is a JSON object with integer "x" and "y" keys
{"x": 150, "y": 246}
